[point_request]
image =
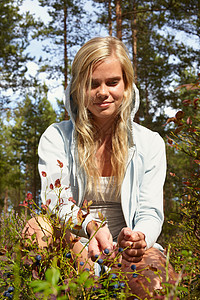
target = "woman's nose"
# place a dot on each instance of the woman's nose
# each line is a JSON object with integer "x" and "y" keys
{"x": 103, "y": 91}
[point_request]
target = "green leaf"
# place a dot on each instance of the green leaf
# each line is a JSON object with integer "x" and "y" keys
{"x": 83, "y": 277}
{"x": 52, "y": 276}
{"x": 40, "y": 286}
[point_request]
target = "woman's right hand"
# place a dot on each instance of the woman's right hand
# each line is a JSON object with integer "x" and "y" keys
{"x": 101, "y": 240}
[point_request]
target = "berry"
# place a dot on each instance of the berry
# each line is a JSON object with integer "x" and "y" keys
{"x": 122, "y": 285}
{"x": 86, "y": 269}
{"x": 100, "y": 261}
{"x": 121, "y": 250}
{"x": 11, "y": 289}
{"x": 135, "y": 275}
{"x": 114, "y": 276}
{"x": 68, "y": 255}
{"x": 119, "y": 265}
{"x": 106, "y": 251}
{"x": 115, "y": 286}
{"x": 133, "y": 267}
{"x": 81, "y": 263}
{"x": 8, "y": 295}
{"x": 96, "y": 256}
{"x": 38, "y": 257}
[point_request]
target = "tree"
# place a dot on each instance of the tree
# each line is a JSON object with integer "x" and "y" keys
{"x": 32, "y": 117}
{"x": 14, "y": 40}
{"x": 158, "y": 58}
{"x": 64, "y": 31}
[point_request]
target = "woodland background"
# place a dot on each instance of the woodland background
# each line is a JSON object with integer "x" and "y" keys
{"x": 163, "y": 40}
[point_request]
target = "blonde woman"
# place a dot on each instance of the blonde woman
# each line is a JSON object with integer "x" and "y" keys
{"x": 109, "y": 159}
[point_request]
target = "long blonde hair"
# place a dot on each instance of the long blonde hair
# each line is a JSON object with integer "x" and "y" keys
{"x": 94, "y": 51}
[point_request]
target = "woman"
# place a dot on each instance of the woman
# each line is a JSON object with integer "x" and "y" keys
{"x": 109, "y": 159}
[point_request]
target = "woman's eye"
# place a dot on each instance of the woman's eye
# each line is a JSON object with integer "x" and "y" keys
{"x": 112, "y": 83}
{"x": 94, "y": 85}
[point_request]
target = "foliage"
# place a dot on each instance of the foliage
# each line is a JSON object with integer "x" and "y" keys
{"x": 185, "y": 139}
{"x": 14, "y": 39}
{"x": 55, "y": 271}
{"x": 20, "y": 134}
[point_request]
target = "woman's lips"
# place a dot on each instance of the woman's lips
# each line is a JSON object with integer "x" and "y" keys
{"x": 103, "y": 104}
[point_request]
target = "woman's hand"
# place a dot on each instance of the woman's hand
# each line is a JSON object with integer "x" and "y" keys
{"x": 135, "y": 241}
{"x": 101, "y": 240}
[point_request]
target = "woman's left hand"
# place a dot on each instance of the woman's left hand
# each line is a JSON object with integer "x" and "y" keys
{"x": 135, "y": 241}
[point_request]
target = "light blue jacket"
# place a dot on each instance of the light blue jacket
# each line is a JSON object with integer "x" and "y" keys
{"x": 142, "y": 187}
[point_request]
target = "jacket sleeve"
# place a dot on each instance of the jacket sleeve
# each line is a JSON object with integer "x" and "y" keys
{"x": 54, "y": 169}
{"x": 149, "y": 214}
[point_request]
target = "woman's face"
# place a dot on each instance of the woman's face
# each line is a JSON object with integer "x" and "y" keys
{"x": 107, "y": 90}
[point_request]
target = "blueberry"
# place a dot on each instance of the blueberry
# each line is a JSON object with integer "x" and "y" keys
{"x": 119, "y": 265}
{"x": 133, "y": 267}
{"x": 115, "y": 286}
{"x": 11, "y": 289}
{"x": 121, "y": 250}
{"x": 122, "y": 285}
{"x": 8, "y": 295}
{"x": 81, "y": 263}
{"x": 68, "y": 255}
{"x": 114, "y": 276}
{"x": 86, "y": 269}
{"x": 96, "y": 256}
{"x": 100, "y": 261}
{"x": 135, "y": 275}
{"x": 106, "y": 251}
{"x": 38, "y": 257}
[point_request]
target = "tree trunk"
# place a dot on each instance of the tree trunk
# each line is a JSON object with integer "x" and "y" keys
{"x": 110, "y": 17}
{"x": 119, "y": 18}
{"x": 134, "y": 48}
{"x": 65, "y": 46}
{"x": 6, "y": 201}
{"x": 65, "y": 55}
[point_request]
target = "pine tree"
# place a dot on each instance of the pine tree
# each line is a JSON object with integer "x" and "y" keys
{"x": 14, "y": 40}
{"x": 32, "y": 117}
{"x": 65, "y": 32}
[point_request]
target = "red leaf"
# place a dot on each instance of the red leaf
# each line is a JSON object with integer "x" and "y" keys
{"x": 186, "y": 183}
{"x": 51, "y": 186}
{"x": 84, "y": 204}
{"x": 44, "y": 174}
{"x": 170, "y": 141}
{"x": 179, "y": 115}
{"x": 189, "y": 121}
{"x": 44, "y": 207}
{"x": 25, "y": 203}
{"x": 172, "y": 174}
{"x": 29, "y": 196}
{"x": 80, "y": 216}
{"x": 48, "y": 202}
{"x": 60, "y": 164}
{"x": 197, "y": 161}
{"x": 186, "y": 102}
{"x": 72, "y": 200}
{"x": 57, "y": 183}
